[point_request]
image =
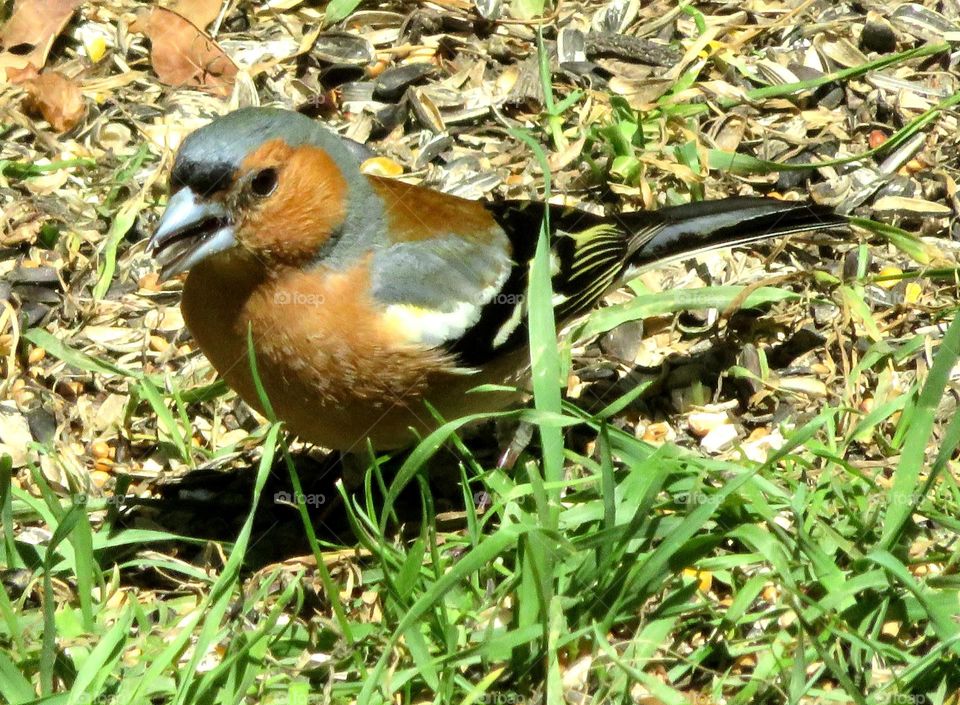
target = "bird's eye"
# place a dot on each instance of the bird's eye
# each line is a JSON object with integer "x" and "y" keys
{"x": 264, "y": 182}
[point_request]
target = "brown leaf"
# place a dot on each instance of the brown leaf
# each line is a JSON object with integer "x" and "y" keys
{"x": 57, "y": 98}
{"x": 200, "y": 13}
{"x": 26, "y": 38}
{"x": 182, "y": 55}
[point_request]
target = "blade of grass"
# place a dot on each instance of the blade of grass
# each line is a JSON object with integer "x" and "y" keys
{"x": 14, "y": 688}
{"x": 339, "y": 10}
{"x": 920, "y": 422}
{"x": 120, "y": 226}
{"x": 98, "y": 666}
{"x": 217, "y": 601}
{"x": 471, "y": 561}
{"x": 545, "y": 372}
{"x": 81, "y": 361}
{"x": 325, "y": 577}
{"x": 940, "y": 611}
{"x": 544, "y": 356}
{"x": 24, "y": 170}
{"x": 217, "y": 675}
{"x": 647, "y": 305}
{"x": 48, "y": 654}
{"x": 424, "y": 450}
{"x": 10, "y": 556}
{"x": 842, "y": 74}
{"x": 166, "y": 420}
{"x": 737, "y": 163}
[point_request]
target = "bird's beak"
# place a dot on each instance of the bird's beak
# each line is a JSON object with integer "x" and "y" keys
{"x": 190, "y": 231}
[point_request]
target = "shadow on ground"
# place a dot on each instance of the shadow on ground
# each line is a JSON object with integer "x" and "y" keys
{"x": 210, "y": 505}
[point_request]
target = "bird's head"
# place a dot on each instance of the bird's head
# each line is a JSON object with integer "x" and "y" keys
{"x": 260, "y": 183}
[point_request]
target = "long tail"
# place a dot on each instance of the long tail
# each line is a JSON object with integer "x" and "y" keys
{"x": 592, "y": 253}
{"x": 682, "y": 231}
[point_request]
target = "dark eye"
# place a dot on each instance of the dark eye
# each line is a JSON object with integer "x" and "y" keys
{"x": 264, "y": 182}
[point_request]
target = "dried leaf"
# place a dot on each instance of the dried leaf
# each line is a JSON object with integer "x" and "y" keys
{"x": 26, "y": 38}
{"x": 182, "y": 55}
{"x": 200, "y": 13}
{"x": 57, "y": 98}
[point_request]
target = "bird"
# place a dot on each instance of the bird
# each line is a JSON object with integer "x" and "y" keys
{"x": 366, "y": 298}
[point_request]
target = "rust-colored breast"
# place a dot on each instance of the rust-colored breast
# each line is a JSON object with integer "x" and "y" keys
{"x": 334, "y": 372}
{"x": 324, "y": 329}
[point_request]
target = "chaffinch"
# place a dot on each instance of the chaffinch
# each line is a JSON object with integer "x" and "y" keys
{"x": 366, "y": 296}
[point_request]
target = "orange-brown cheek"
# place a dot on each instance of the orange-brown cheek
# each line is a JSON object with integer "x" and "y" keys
{"x": 307, "y": 207}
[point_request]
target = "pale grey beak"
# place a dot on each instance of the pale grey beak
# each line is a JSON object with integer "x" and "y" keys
{"x": 190, "y": 231}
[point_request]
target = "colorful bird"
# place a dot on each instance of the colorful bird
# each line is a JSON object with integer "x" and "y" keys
{"x": 366, "y": 296}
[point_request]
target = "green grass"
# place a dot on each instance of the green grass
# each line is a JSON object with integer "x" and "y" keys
{"x": 598, "y": 560}
{"x": 808, "y": 559}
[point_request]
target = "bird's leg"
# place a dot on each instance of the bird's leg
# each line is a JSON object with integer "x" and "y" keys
{"x": 522, "y": 436}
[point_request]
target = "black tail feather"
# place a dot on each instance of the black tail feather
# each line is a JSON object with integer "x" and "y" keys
{"x": 707, "y": 225}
